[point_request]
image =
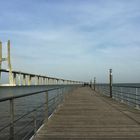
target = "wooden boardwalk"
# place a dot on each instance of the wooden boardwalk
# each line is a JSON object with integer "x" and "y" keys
{"x": 86, "y": 115}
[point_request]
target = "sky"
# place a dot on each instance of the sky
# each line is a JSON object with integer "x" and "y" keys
{"x": 74, "y": 39}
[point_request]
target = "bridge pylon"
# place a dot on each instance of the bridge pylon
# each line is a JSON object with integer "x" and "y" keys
{"x": 8, "y": 59}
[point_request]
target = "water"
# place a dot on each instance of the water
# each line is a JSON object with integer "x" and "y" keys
{"x": 26, "y": 104}
{"x": 128, "y": 93}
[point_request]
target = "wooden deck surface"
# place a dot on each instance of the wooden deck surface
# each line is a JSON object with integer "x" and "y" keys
{"x": 86, "y": 115}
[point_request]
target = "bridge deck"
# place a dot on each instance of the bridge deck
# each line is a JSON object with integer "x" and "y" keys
{"x": 88, "y": 115}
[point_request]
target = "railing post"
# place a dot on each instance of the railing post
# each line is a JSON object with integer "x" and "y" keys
{"x": 94, "y": 83}
{"x": 46, "y": 106}
{"x": 137, "y": 102}
{"x": 34, "y": 119}
{"x": 91, "y": 84}
{"x": 59, "y": 96}
{"x": 121, "y": 90}
{"x": 110, "y": 82}
{"x": 11, "y": 119}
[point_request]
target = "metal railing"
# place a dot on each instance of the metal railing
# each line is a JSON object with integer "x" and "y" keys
{"x": 26, "y": 125}
{"x": 127, "y": 94}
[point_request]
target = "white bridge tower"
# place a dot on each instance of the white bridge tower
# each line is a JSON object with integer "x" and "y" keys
{"x": 8, "y": 59}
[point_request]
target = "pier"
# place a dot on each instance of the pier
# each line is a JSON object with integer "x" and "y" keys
{"x": 58, "y": 109}
{"x": 39, "y": 107}
{"x": 86, "y": 114}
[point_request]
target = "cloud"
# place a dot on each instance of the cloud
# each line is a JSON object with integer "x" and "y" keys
{"x": 74, "y": 39}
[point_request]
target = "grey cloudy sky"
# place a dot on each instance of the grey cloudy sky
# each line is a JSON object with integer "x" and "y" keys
{"x": 74, "y": 39}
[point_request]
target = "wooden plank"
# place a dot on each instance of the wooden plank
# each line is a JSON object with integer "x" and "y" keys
{"x": 88, "y": 115}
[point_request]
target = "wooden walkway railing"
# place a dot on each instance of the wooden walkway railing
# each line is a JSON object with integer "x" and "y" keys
{"x": 89, "y": 115}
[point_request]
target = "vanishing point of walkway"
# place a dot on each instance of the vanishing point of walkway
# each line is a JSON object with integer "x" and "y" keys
{"x": 87, "y": 115}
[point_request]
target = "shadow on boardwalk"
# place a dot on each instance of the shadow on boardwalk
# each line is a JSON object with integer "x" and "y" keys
{"x": 87, "y": 115}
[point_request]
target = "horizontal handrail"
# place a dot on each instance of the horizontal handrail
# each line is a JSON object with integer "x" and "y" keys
{"x": 130, "y": 93}
{"x": 126, "y": 86}
{"x": 118, "y": 85}
{"x": 126, "y": 96}
{"x": 28, "y": 94}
